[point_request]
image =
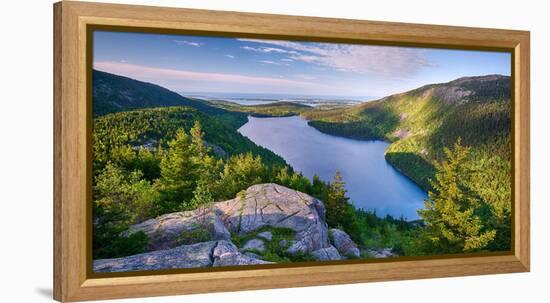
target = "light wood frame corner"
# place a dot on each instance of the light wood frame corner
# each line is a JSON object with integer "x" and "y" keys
{"x": 72, "y": 112}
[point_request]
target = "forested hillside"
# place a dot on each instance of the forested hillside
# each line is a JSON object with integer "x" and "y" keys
{"x": 454, "y": 140}
{"x": 152, "y": 161}
{"x": 421, "y": 122}
{"x": 121, "y": 137}
{"x": 163, "y": 158}
{"x": 152, "y": 156}
{"x": 156, "y": 161}
{"x": 114, "y": 93}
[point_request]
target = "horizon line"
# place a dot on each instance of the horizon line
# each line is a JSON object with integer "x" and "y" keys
{"x": 361, "y": 98}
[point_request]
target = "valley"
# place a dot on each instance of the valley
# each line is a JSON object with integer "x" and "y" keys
{"x": 369, "y": 165}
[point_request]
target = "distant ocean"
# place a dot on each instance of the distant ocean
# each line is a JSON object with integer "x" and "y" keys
{"x": 255, "y": 99}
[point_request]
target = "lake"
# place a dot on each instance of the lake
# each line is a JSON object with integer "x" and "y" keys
{"x": 372, "y": 183}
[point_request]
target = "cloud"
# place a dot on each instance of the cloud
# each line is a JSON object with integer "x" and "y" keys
{"x": 184, "y": 79}
{"x": 267, "y": 50}
{"x": 270, "y": 62}
{"x": 287, "y": 60}
{"x": 230, "y": 56}
{"x": 274, "y": 62}
{"x": 184, "y": 42}
{"x": 388, "y": 61}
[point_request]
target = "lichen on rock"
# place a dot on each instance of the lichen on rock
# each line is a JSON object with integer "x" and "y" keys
{"x": 264, "y": 216}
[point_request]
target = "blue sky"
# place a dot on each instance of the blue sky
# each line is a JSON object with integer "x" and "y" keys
{"x": 217, "y": 65}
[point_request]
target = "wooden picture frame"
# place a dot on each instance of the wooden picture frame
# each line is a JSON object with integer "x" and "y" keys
{"x": 72, "y": 113}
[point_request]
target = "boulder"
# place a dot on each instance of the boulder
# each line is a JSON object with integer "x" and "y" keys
{"x": 327, "y": 254}
{"x": 343, "y": 243}
{"x": 182, "y": 228}
{"x": 201, "y": 238}
{"x": 187, "y": 256}
{"x": 206, "y": 254}
{"x": 254, "y": 245}
{"x": 227, "y": 254}
{"x": 277, "y": 206}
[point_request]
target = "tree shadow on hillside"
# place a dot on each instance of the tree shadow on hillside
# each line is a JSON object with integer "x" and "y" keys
{"x": 413, "y": 166}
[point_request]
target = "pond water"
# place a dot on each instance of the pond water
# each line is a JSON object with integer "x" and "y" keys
{"x": 372, "y": 183}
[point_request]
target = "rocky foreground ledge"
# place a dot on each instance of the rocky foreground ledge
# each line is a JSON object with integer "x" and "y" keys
{"x": 265, "y": 218}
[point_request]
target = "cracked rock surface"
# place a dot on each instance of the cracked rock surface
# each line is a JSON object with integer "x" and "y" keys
{"x": 277, "y": 206}
{"x": 227, "y": 254}
{"x": 327, "y": 254}
{"x": 187, "y": 256}
{"x": 344, "y": 244}
{"x": 166, "y": 231}
{"x": 260, "y": 206}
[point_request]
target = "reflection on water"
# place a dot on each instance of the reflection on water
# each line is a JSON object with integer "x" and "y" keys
{"x": 371, "y": 182}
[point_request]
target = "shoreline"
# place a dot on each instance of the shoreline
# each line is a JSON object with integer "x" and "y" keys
{"x": 414, "y": 218}
{"x": 392, "y": 164}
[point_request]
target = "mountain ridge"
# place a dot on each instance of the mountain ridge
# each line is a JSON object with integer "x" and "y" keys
{"x": 115, "y": 93}
{"x": 418, "y": 123}
{"x": 421, "y": 122}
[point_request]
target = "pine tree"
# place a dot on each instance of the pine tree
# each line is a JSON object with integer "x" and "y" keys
{"x": 283, "y": 176}
{"x": 451, "y": 211}
{"x": 178, "y": 173}
{"x": 201, "y": 197}
{"x": 319, "y": 188}
{"x": 337, "y": 201}
{"x": 197, "y": 142}
{"x": 340, "y": 213}
{"x": 120, "y": 199}
{"x": 240, "y": 172}
{"x": 208, "y": 167}
{"x": 490, "y": 180}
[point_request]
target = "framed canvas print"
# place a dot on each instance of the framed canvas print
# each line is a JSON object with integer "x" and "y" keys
{"x": 200, "y": 151}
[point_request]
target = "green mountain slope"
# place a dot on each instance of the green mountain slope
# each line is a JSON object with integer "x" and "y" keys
{"x": 118, "y": 134}
{"x": 129, "y": 114}
{"x": 421, "y": 122}
{"x": 114, "y": 93}
{"x": 132, "y": 162}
